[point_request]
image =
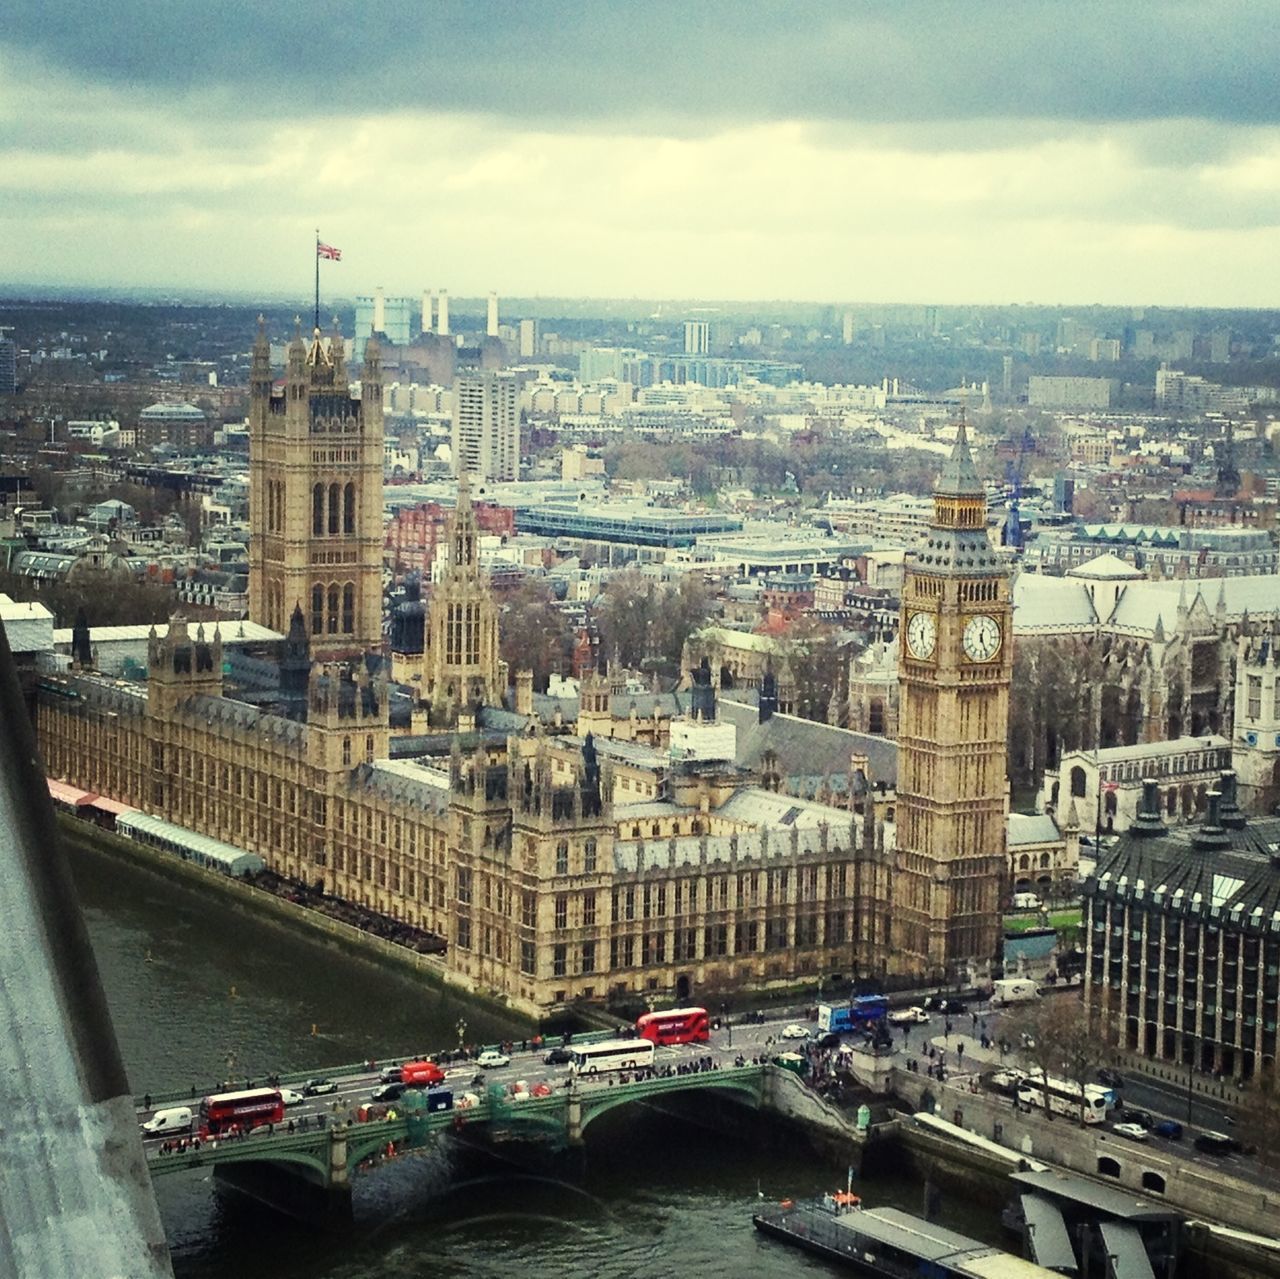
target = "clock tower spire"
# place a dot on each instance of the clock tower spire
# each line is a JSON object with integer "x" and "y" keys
{"x": 954, "y": 669}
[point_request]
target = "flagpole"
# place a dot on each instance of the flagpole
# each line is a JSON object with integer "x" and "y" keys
{"x": 317, "y": 278}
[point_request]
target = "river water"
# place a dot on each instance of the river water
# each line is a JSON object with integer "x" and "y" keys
{"x": 195, "y": 983}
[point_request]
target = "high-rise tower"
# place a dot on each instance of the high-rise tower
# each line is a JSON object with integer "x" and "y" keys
{"x": 486, "y": 427}
{"x": 315, "y": 495}
{"x": 955, "y": 663}
{"x": 461, "y": 668}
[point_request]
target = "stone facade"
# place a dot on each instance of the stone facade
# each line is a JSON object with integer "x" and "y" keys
{"x": 955, "y": 663}
{"x": 315, "y": 495}
{"x": 522, "y": 854}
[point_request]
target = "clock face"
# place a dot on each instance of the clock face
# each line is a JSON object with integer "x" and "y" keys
{"x": 922, "y": 635}
{"x": 981, "y": 638}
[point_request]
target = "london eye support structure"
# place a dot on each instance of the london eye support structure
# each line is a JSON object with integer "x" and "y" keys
{"x": 75, "y": 1196}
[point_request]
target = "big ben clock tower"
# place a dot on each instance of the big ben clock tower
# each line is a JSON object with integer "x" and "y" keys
{"x": 953, "y": 670}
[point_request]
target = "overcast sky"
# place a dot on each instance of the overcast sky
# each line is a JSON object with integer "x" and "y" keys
{"x": 910, "y": 150}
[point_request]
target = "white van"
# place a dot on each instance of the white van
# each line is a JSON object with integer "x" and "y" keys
{"x": 164, "y": 1122}
{"x": 1026, "y": 901}
{"x": 1013, "y": 990}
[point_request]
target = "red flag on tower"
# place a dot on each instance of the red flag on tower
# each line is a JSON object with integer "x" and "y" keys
{"x": 328, "y": 251}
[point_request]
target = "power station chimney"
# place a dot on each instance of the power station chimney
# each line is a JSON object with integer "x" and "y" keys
{"x": 379, "y": 311}
{"x": 426, "y": 311}
{"x": 493, "y": 315}
{"x": 442, "y": 317}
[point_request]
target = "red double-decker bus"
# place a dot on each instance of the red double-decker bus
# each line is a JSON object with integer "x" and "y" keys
{"x": 242, "y": 1110}
{"x": 677, "y": 1026}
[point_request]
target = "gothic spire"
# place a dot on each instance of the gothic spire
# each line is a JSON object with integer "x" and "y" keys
{"x": 959, "y": 476}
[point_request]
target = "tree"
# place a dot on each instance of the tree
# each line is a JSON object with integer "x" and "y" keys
{"x": 533, "y": 634}
{"x": 813, "y": 660}
{"x": 1062, "y": 1040}
{"x": 626, "y": 614}
{"x": 1259, "y": 1116}
{"x": 681, "y": 610}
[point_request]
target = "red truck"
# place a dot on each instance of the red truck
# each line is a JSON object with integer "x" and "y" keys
{"x": 421, "y": 1074}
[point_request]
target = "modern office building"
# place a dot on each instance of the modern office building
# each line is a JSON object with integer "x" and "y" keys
{"x": 395, "y": 320}
{"x": 486, "y": 427}
{"x": 1182, "y": 937}
{"x": 8, "y": 364}
{"x": 697, "y": 337}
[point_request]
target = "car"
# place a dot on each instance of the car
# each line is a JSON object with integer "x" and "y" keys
{"x": 557, "y": 1057}
{"x": 1169, "y": 1128}
{"x": 829, "y": 1039}
{"x": 389, "y": 1092}
{"x": 1135, "y": 1132}
{"x": 794, "y": 1031}
{"x": 1110, "y": 1078}
{"x": 389, "y": 1075}
{"x": 913, "y": 1016}
{"x": 290, "y": 1097}
{"x": 1005, "y": 1081}
{"x": 1132, "y": 1115}
{"x": 948, "y": 1007}
{"x": 1217, "y": 1143}
{"x": 318, "y": 1087}
{"x": 491, "y": 1059}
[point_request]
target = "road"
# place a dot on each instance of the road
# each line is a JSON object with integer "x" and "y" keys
{"x": 765, "y": 1038}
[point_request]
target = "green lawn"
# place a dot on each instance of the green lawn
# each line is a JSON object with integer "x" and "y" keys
{"x": 1059, "y": 919}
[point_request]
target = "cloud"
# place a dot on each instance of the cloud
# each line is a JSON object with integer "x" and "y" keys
{"x": 664, "y": 65}
{"x": 915, "y": 151}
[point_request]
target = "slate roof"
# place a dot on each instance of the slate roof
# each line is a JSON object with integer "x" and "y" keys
{"x": 1107, "y": 567}
{"x": 805, "y": 748}
{"x": 1025, "y": 829}
{"x": 1238, "y": 883}
{"x": 1045, "y": 605}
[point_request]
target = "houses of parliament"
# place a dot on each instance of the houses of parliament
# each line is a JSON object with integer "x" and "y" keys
{"x": 560, "y": 861}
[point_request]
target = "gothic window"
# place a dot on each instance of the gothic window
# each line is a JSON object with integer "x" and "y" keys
{"x": 346, "y": 752}
{"x": 562, "y": 911}
{"x": 528, "y": 909}
{"x": 559, "y": 958}
{"x": 1078, "y": 782}
{"x": 875, "y": 716}
{"x": 528, "y": 963}
{"x": 333, "y": 610}
{"x": 317, "y": 510}
{"x": 1255, "y": 697}
{"x": 335, "y": 503}
{"x": 349, "y": 508}
{"x": 348, "y": 609}
{"x": 588, "y": 956}
{"x": 562, "y": 857}
{"x": 589, "y": 856}
{"x": 368, "y": 750}
{"x": 317, "y": 610}
{"x": 1275, "y": 700}
{"x": 1044, "y": 861}
{"x": 589, "y": 909}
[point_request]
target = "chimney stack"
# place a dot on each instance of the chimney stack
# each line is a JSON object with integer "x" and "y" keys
{"x": 379, "y": 311}
{"x": 427, "y": 308}
{"x": 442, "y": 310}
{"x": 492, "y": 329}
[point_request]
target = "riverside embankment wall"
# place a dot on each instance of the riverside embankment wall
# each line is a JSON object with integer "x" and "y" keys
{"x": 430, "y": 969}
{"x": 1191, "y": 1188}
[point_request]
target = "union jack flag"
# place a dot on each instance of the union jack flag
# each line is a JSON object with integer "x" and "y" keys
{"x": 328, "y": 251}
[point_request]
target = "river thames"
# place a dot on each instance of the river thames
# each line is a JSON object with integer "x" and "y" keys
{"x": 195, "y": 983}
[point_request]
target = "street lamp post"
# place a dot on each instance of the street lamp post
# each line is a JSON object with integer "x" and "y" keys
{"x": 724, "y": 1016}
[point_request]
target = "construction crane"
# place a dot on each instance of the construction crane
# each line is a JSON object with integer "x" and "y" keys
{"x": 1013, "y": 478}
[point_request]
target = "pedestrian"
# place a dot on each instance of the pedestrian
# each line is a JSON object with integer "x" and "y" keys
{"x": 959, "y": 1051}
{"x": 146, "y": 1102}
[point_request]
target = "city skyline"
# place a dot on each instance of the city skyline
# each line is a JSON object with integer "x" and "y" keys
{"x": 835, "y": 153}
